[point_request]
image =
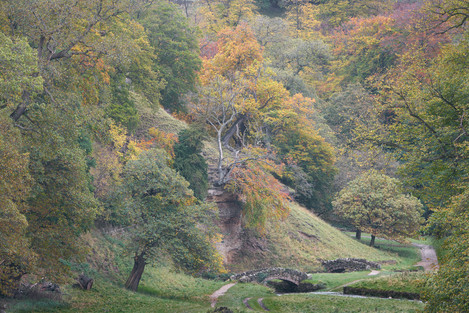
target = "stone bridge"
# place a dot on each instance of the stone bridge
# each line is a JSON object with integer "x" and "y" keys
{"x": 349, "y": 265}
{"x": 267, "y": 274}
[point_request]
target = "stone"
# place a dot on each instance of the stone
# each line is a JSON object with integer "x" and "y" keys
{"x": 349, "y": 265}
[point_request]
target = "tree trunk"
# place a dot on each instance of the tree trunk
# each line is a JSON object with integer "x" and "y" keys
{"x": 136, "y": 273}
{"x": 85, "y": 282}
{"x": 221, "y": 175}
{"x": 21, "y": 108}
{"x": 372, "y": 242}
{"x": 358, "y": 234}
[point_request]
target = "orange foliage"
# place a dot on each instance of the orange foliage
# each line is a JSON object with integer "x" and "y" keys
{"x": 263, "y": 197}
{"x": 161, "y": 140}
{"x": 237, "y": 50}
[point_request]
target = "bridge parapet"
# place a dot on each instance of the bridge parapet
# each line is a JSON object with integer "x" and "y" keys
{"x": 349, "y": 265}
{"x": 266, "y": 274}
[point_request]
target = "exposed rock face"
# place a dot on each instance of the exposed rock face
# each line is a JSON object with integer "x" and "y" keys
{"x": 229, "y": 221}
{"x": 349, "y": 265}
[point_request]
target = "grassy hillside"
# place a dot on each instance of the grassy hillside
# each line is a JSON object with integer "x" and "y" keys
{"x": 165, "y": 290}
{"x": 301, "y": 240}
{"x": 154, "y": 117}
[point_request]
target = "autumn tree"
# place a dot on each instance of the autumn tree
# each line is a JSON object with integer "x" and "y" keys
{"x": 233, "y": 91}
{"x": 374, "y": 203}
{"x": 301, "y": 16}
{"x": 309, "y": 159}
{"x": 215, "y": 15}
{"x": 263, "y": 197}
{"x": 164, "y": 217}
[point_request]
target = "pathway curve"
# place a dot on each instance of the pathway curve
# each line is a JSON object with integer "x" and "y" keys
{"x": 220, "y": 292}
{"x": 262, "y": 304}
{"x": 373, "y": 273}
{"x": 429, "y": 259}
{"x": 245, "y": 301}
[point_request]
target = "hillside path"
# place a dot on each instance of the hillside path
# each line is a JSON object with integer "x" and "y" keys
{"x": 220, "y": 292}
{"x": 429, "y": 259}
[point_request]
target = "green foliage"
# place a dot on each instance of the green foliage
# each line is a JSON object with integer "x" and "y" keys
{"x": 449, "y": 287}
{"x": 309, "y": 158}
{"x": 346, "y": 109}
{"x": 163, "y": 215}
{"x": 16, "y": 257}
{"x": 373, "y": 203}
{"x": 177, "y": 49}
{"x": 122, "y": 108}
{"x": 189, "y": 162}
{"x": 18, "y": 70}
{"x": 58, "y": 166}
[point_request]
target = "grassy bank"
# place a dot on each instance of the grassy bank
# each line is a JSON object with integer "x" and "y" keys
{"x": 302, "y": 240}
{"x": 334, "y": 304}
{"x": 403, "y": 282}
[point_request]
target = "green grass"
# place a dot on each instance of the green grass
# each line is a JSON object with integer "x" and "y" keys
{"x": 163, "y": 282}
{"x": 334, "y": 304}
{"x": 236, "y": 294}
{"x": 44, "y": 305}
{"x": 406, "y": 255}
{"x": 403, "y": 282}
{"x": 335, "y": 280}
{"x": 301, "y": 240}
{"x": 151, "y": 116}
{"x": 162, "y": 291}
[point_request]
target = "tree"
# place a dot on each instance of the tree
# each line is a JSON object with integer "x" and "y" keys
{"x": 263, "y": 197}
{"x": 216, "y": 15}
{"x": 301, "y": 15}
{"x": 447, "y": 289}
{"x": 16, "y": 256}
{"x": 177, "y": 51}
{"x": 421, "y": 119}
{"x": 65, "y": 33}
{"x": 235, "y": 88}
{"x": 163, "y": 217}
{"x": 189, "y": 162}
{"x": 373, "y": 203}
{"x": 61, "y": 200}
{"x": 309, "y": 159}
{"x": 18, "y": 71}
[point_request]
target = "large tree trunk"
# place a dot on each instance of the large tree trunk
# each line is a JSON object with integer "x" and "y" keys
{"x": 372, "y": 242}
{"x": 136, "y": 274}
{"x": 358, "y": 234}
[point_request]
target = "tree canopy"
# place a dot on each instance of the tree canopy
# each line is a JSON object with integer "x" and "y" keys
{"x": 374, "y": 204}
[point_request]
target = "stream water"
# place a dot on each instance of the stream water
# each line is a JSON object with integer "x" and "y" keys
{"x": 339, "y": 294}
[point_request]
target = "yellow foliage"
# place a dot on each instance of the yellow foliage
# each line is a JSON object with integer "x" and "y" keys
{"x": 126, "y": 148}
{"x": 301, "y": 16}
{"x": 216, "y": 14}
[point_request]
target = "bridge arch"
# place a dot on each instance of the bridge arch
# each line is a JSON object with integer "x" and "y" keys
{"x": 287, "y": 279}
{"x": 267, "y": 274}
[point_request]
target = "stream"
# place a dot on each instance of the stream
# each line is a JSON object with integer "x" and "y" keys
{"x": 339, "y": 294}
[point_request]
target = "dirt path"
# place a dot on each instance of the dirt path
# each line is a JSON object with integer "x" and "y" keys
{"x": 245, "y": 301}
{"x": 262, "y": 304}
{"x": 220, "y": 292}
{"x": 429, "y": 259}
